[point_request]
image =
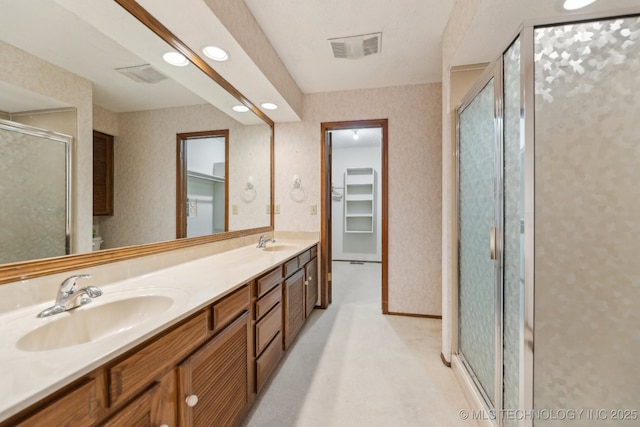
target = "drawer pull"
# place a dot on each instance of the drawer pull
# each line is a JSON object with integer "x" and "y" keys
{"x": 191, "y": 401}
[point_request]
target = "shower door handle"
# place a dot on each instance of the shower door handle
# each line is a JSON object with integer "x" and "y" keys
{"x": 492, "y": 242}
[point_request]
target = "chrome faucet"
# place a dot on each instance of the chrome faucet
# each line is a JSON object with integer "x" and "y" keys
{"x": 262, "y": 242}
{"x": 69, "y": 297}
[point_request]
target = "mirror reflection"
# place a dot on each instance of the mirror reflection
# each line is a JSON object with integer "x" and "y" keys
{"x": 79, "y": 66}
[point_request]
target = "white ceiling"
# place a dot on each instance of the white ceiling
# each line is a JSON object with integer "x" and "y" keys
{"x": 411, "y": 40}
{"x": 411, "y": 33}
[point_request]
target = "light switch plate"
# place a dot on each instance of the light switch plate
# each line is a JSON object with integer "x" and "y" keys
{"x": 277, "y": 209}
{"x": 268, "y": 210}
{"x": 234, "y": 209}
{"x": 314, "y": 209}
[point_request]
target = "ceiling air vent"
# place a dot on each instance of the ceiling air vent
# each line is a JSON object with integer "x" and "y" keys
{"x": 142, "y": 73}
{"x": 356, "y": 46}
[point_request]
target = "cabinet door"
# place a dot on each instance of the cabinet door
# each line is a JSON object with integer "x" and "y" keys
{"x": 136, "y": 414}
{"x": 293, "y": 306}
{"x": 78, "y": 407}
{"x": 102, "y": 173}
{"x": 213, "y": 383}
{"x": 311, "y": 285}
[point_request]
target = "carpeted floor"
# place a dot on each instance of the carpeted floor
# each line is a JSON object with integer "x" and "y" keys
{"x": 351, "y": 366}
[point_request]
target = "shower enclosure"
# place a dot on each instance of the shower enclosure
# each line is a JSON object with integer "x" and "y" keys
{"x": 35, "y": 184}
{"x": 549, "y": 229}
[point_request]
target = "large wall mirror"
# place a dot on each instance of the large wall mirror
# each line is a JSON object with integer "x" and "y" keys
{"x": 78, "y": 66}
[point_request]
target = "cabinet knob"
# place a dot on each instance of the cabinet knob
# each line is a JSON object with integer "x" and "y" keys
{"x": 306, "y": 283}
{"x": 164, "y": 425}
{"x": 310, "y": 279}
{"x": 191, "y": 400}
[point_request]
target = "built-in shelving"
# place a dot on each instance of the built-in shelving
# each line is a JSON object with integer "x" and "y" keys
{"x": 359, "y": 198}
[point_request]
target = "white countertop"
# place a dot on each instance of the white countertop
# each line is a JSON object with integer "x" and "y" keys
{"x": 29, "y": 376}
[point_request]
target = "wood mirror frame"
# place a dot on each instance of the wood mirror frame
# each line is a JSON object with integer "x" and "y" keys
{"x": 42, "y": 267}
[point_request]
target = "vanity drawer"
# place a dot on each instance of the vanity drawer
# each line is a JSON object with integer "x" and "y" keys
{"x": 78, "y": 407}
{"x": 290, "y": 267}
{"x": 304, "y": 257}
{"x": 314, "y": 251}
{"x": 264, "y": 304}
{"x": 228, "y": 308}
{"x": 131, "y": 375}
{"x": 268, "y": 327}
{"x": 268, "y": 281}
{"x": 267, "y": 362}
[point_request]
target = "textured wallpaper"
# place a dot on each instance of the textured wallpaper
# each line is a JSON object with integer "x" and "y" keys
{"x": 414, "y": 181}
{"x": 587, "y": 205}
{"x": 145, "y": 172}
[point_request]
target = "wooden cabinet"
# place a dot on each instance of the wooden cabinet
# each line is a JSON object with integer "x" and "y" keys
{"x": 213, "y": 383}
{"x": 102, "y": 174}
{"x": 137, "y": 413}
{"x": 203, "y": 371}
{"x": 76, "y": 407}
{"x": 294, "y": 313}
{"x": 268, "y": 325}
{"x": 310, "y": 285}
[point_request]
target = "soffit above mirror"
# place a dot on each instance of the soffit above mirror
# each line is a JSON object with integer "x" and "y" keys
{"x": 197, "y": 26}
{"x": 101, "y": 27}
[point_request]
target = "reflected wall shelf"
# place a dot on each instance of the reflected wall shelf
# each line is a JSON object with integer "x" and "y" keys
{"x": 359, "y": 198}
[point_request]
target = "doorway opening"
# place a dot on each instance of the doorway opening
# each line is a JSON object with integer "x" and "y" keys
{"x": 202, "y": 194}
{"x": 354, "y": 199}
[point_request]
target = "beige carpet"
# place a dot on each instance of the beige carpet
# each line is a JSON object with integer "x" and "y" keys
{"x": 352, "y": 366}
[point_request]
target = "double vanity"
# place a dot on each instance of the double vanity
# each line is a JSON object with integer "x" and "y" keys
{"x": 188, "y": 345}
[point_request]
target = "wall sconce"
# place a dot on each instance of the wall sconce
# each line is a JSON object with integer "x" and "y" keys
{"x": 295, "y": 189}
{"x": 249, "y": 192}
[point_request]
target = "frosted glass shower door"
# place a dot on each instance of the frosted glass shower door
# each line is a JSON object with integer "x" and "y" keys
{"x": 477, "y": 217}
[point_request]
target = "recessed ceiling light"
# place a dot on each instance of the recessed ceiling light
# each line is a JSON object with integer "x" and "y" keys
{"x": 355, "y": 135}
{"x": 269, "y": 106}
{"x": 576, "y": 4}
{"x": 215, "y": 53}
{"x": 175, "y": 58}
{"x": 240, "y": 108}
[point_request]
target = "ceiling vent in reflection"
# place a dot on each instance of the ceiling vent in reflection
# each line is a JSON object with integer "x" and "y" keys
{"x": 142, "y": 74}
{"x": 356, "y": 46}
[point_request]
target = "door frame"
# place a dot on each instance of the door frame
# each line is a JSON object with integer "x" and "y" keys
{"x": 181, "y": 176}
{"x": 325, "y": 205}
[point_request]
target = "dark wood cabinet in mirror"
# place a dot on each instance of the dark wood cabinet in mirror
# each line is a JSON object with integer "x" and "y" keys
{"x": 102, "y": 60}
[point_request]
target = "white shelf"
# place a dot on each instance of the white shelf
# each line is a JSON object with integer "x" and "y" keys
{"x": 359, "y": 198}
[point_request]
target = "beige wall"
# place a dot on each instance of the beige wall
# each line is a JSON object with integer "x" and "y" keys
{"x": 41, "y": 77}
{"x": 414, "y": 181}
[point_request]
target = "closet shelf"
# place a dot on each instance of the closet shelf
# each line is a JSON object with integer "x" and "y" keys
{"x": 359, "y": 197}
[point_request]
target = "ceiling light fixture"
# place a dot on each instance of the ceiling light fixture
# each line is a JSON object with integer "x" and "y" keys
{"x": 215, "y": 53}
{"x": 269, "y": 106}
{"x": 576, "y": 4}
{"x": 355, "y": 135}
{"x": 175, "y": 58}
{"x": 240, "y": 108}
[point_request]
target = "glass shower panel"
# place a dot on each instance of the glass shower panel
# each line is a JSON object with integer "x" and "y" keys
{"x": 587, "y": 205}
{"x": 477, "y": 276}
{"x": 513, "y": 252}
{"x": 33, "y": 195}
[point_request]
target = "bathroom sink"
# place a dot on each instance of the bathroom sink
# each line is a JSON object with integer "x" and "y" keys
{"x": 94, "y": 322}
{"x": 277, "y": 248}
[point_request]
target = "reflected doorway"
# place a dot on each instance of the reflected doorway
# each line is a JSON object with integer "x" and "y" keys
{"x": 202, "y": 184}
